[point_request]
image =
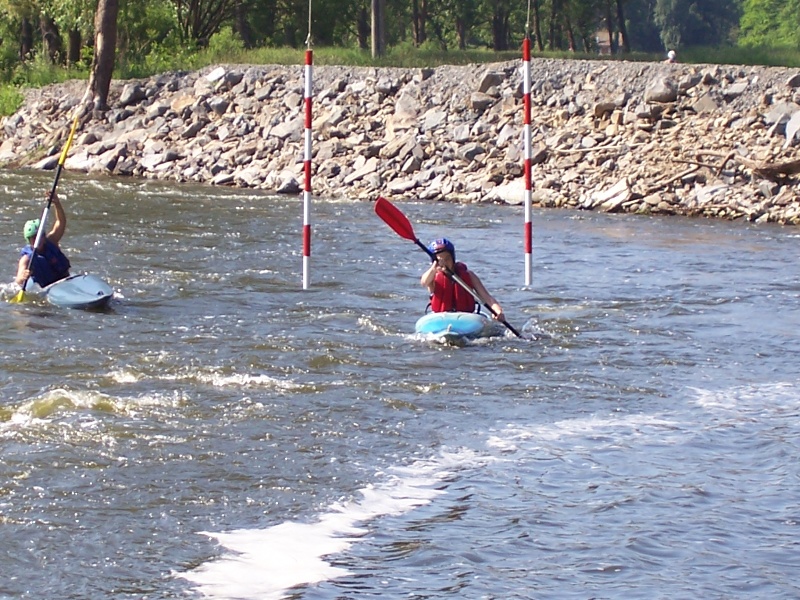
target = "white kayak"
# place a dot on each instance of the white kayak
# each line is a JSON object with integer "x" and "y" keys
{"x": 79, "y": 291}
{"x": 454, "y": 327}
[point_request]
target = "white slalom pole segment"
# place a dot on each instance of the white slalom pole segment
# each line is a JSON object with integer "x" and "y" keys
{"x": 526, "y": 69}
{"x": 307, "y": 169}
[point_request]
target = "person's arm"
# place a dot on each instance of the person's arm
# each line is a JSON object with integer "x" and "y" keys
{"x": 429, "y": 276}
{"x": 22, "y": 271}
{"x": 486, "y": 296}
{"x": 60, "y": 223}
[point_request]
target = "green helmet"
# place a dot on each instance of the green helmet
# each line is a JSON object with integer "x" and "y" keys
{"x": 30, "y": 229}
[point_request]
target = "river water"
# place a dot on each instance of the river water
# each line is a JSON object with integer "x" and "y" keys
{"x": 219, "y": 432}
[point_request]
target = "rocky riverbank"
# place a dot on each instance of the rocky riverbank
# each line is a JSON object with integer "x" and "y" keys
{"x": 717, "y": 141}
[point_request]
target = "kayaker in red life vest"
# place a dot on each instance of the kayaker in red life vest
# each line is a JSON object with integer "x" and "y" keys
{"x": 50, "y": 263}
{"x": 446, "y": 294}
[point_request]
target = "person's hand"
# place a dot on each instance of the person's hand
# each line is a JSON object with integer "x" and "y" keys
{"x": 498, "y": 312}
{"x": 26, "y": 274}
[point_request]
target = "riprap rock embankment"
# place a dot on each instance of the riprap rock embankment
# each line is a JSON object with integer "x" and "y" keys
{"x": 708, "y": 140}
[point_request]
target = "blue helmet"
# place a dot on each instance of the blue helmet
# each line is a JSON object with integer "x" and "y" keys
{"x": 442, "y": 245}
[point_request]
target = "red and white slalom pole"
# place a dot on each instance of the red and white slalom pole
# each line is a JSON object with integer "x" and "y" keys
{"x": 307, "y": 166}
{"x": 526, "y": 88}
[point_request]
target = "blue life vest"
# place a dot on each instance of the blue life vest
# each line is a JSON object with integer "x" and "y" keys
{"x": 49, "y": 266}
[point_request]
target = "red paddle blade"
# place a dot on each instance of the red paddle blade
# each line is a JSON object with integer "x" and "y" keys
{"x": 394, "y": 219}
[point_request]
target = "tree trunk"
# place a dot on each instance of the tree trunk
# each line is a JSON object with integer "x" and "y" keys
{"x": 362, "y": 28}
{"x": 419, "y": 17}
{"x": 25, "y": 40}
{"x": 198, "y": 20}
{"x": 414, "y": 22}
{"x": 269, "y": 16}
{"x": 612, "y": 47}
{"x": 439, "y": 34}
{"x": 623, "y": 31}
{"x": 105, "y": 41}
{"x": 378, "y": 31}
{"x": 570, "y": 33}
{"x": 537, "y": 26}
{"x": 461, "y": 32}
{"x": 52, "y": 39}
{"x": 554, "y": 39}
{"x": 500, "y": 28}
{"x": 74, "y": 50}
{"x": 242, "y": 25}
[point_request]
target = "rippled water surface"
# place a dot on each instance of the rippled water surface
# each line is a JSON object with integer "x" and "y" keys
{"x": 221, "y": 432}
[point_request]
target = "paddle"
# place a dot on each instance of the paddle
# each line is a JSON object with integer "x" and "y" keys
{"x": 395, "y": 219}
{"x": 42, "y": 222}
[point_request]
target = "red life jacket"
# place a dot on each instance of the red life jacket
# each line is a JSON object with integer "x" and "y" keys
{"x": 450, "y": 296}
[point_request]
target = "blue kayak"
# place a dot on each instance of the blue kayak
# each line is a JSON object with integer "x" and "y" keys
{"x": 455, "y": 326}
{"x": 79, "y": 291}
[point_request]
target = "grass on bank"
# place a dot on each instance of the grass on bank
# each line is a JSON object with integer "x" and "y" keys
{"x": 225, "y": 48}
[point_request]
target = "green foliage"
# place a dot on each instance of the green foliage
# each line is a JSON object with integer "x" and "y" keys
{"x": 143, "y": 27}
{"x": 225, "y": 46}
{"x": 642, "y": 29}
{"x": 430, "y": 55}
{"x": 331, "y": 23}
{"x": 10, "y": 99}
{"x": 458, "y": 32}
{"x": 695, "y": 22}
{"x": 743, "y": 55}
{"x": 770, "y": 23}
{"x": 9, "y": 57}
{"x": 71, "y": 14}
{"x": 38, "y": 72}
{"x": 170, "y": 54}
{"x": 19, "y": 8}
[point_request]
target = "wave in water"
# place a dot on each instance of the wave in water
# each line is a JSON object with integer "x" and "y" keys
{"x": 264, "y": 563}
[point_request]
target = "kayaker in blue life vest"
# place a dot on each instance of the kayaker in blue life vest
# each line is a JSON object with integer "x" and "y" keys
{"x": 50, "y": 264}
{"x": 446, "y": 294}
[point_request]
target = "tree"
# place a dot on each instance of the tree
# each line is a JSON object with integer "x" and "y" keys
{"x": 198, "y": 20}
{"x": 696, "y": 22}
{"x": 610, "y": 27}
{"x": 501, "y": 29}
{"x": 75, "y": 17}
{"x": 770, "y": 23}
{"x": 23, "y": 12}
{"x": 25, "y": 39}
{"x": 537, "y": 25}
{"x": 643, "y": 32}
{"x": 623, "y": 30}
{"x": 378, "y": 31}
{"x": 419, "y": 17}
{"x": 105, "y": 41}
{"x": 52, "y": 38}
{"x": 362, "y": 29}
{"x": 463, "y": 16}
{"x": 242, "y": 24}
{"x": 554, "y": 38}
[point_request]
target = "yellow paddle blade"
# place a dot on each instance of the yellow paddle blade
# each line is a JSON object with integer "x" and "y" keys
{"x": 20, "y": 297}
